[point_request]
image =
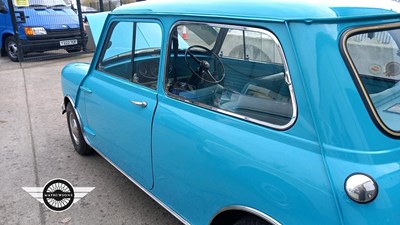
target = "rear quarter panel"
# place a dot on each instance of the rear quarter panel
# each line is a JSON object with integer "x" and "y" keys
{"x": 352, "y": 143}
{"x": 204, "y": 162}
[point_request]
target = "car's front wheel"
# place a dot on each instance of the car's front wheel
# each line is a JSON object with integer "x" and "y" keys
{"x": 75, "y": 132}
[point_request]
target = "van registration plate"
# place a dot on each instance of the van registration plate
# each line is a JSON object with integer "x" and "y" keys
{"x": 68, "y": 42}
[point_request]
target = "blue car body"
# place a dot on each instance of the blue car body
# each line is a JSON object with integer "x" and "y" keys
{"x": 54, "y": 22}
{"x": 211, "y": 164}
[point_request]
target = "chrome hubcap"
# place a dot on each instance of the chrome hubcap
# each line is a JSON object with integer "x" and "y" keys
{"x": 73, "y": 126}
{"x": 12, "y": 49}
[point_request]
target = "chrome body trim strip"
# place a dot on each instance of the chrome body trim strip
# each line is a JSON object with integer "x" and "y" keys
{"x": 176, "y": 215}
{"x": 76, "y": 112}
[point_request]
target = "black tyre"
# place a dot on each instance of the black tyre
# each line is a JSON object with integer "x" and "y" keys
{"x": 75, "y": 132}
{"x": 251, "y": 220}
{"x": 11, "y": 48}
{"x": 73, "y": 50}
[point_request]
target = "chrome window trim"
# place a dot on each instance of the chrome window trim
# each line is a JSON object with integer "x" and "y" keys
{"x": 247, "y": 209}
{"x": 225, "y": 112}
{"x": 176, "y": 215}
{"x": 356, "y": 76}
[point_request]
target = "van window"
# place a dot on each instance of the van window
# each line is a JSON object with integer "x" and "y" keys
{"x": 40, "y": 3}
{"x": 3, "y": 8}
{"x": 239, "y": 71}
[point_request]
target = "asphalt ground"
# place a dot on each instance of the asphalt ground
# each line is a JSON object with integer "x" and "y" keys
{"x": 35, "y": 148}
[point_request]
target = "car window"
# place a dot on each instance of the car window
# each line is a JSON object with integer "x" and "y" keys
{"x": 141, "y": 66}
{"x": 376, "y": 60}
{"x": 221, "y": 71}
{"x": 120, "y": 42}
{"x": 148, "y": 36}
{"x": 250, "y": 45}
{"x": 202, "y": 34}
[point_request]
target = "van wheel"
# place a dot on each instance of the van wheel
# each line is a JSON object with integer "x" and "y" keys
{"x": 75, "y": 132}
{"x": 11, "y": 48}
{"x": 251, "y": 220}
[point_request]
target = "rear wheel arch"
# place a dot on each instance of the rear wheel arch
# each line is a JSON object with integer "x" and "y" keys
{"x": 234, "y": 214}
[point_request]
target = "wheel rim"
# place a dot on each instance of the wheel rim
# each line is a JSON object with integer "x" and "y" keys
{"x": 12, "y": 49}
{"x": 74, "y": 128}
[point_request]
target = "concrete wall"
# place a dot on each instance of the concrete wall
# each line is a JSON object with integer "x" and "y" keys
{"x": 376, "y": 59}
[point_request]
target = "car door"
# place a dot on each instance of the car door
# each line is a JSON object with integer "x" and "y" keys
{"x": 120, "y": 97}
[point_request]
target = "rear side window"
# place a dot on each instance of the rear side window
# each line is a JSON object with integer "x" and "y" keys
{"x": 238, "y": 71}
{"x": 250, "y": 46}
{"x": 374, "y": 56}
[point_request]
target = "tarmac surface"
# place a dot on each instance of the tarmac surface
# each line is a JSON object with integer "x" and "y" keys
{"x": 35, "y": 148}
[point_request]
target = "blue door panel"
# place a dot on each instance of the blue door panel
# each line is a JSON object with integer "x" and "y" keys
{"x": 122, "y": 130}
{"x": 208, "y": 161}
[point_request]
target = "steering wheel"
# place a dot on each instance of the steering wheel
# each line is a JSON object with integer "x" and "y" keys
{"x": 203, "y": 71}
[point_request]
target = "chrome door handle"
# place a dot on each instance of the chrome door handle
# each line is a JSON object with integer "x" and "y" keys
{"x": 141, "y": 104}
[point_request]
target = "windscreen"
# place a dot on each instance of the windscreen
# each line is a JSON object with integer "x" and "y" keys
{"x": 40, "y": 3}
